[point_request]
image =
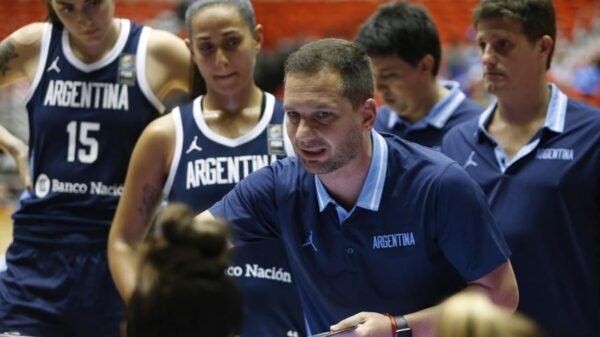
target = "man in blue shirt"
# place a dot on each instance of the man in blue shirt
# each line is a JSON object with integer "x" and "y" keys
{"x": 370, "y": 222}
{"x": 536, "y": 153}
{"x": 404, "y": 46}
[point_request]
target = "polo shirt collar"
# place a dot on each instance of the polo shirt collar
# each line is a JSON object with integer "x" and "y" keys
{"x": 555, "y": 115}
{"x": 554, "y": 122}
{"x": 370, "y": 194}
{"x": 441, "y": 112}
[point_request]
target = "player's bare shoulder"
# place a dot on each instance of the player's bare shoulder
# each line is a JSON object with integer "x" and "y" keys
{"x": 163, "y": 126}
{"x": 168, "y": 63}
{"x": 163, "y": 44}
{"x": 158, "y": 140}
{"x": 169, "y": 50}
{"x": 29, "y": 35}
{"x": 161, "y": 132}
{"x": 19, "y": 53}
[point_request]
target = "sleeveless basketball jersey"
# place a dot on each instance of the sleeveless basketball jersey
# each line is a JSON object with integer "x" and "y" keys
{"x": 272, "y": 307}
{"x": 84, "y": 122}
{"x": 207, "y": 165}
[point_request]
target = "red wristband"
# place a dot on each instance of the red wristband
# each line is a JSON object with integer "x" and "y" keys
{"x": 393, "y": 324}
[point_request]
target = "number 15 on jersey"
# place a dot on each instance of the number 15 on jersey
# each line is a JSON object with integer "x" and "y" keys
{"x": 82, "y": 146}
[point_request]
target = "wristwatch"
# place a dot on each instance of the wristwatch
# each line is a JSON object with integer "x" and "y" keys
{"x": 402, "y": 328}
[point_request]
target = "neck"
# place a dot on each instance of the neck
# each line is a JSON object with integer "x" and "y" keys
{"x": 522, "y": 108}
{"x": 90, "y": 53}
{"x": 234, "y": 103}
{"x": 427, "y": 100}
{"x": 345, "y": 184}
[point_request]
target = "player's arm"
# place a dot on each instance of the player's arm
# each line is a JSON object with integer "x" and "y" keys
{"x": 19, "y": 56}
{"x": 142, "y": 194}
{"x": 250, "y": 208}
{"x": 500, "y": 285}
{"x": 169, "y": 68}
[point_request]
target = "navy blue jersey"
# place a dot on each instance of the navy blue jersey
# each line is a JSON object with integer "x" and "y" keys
{"x": 419, "y": 230}
{"x": 84, "y": 122}
{"x": 547, "y": 203}
{"x": 429, "y": 131}
{"x": 205, "y": 167}
{"x": 271, "y": 304}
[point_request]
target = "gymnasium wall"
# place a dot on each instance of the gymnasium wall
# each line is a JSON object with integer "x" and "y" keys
{"x": 291, "y": 19}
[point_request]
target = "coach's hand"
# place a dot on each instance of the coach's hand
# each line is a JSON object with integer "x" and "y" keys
{"x": 369, "y": 324}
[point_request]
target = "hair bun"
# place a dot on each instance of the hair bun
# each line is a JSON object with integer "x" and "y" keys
{"x": 180, "y": 228}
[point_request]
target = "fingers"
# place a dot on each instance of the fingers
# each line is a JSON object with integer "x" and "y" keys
{"x": 351, "y": 321}
{"x": 367, "y": 324}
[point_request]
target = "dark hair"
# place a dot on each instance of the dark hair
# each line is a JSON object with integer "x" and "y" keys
{"x": 537, "y": 17}
{"x": 403, "y": 30}
{"x": 52, "y": 17}
{"x": 244, "y": 7}
{"x": 344, "y": 57}
{"x": 182, "y": 288}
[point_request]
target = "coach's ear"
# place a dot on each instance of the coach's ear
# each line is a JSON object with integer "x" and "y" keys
{"x": 546, "y": 46}
{"x": 368, "y": 112}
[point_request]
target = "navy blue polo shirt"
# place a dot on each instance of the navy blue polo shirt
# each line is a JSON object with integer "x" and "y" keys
{"x": 420, "y": 229}
{"x": 546, "y": 200}
{"x": 443, "y": 116}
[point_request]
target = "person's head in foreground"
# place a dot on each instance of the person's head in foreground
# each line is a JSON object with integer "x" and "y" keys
{"x": 182, "y": 289}
{"x": 474, "y": 315}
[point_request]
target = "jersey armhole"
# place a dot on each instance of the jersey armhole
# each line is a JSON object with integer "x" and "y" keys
{"x": 176, "y": 115}
{"x": 44, "y": 50}
{"x": 141, "y": 55}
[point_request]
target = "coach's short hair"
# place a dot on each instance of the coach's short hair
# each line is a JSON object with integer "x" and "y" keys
{"x": 403, "y": 30}
{"x": 346, "y": 58}
{"x": 537, "y": 17}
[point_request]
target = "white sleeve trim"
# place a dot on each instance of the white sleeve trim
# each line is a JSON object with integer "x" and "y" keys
{"x": 142, "y": 78}
{"x": 176, "y": 115}
{"x": 41, "y": 67}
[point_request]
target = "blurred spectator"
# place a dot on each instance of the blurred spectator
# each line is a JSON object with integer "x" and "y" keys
{"x": 268, "y": 72}
{"x": 474, "y": 315}
{"x": 586, "y": 78}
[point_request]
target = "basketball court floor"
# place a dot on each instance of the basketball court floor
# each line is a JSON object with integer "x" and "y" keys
{"x": 5, "y": 230}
